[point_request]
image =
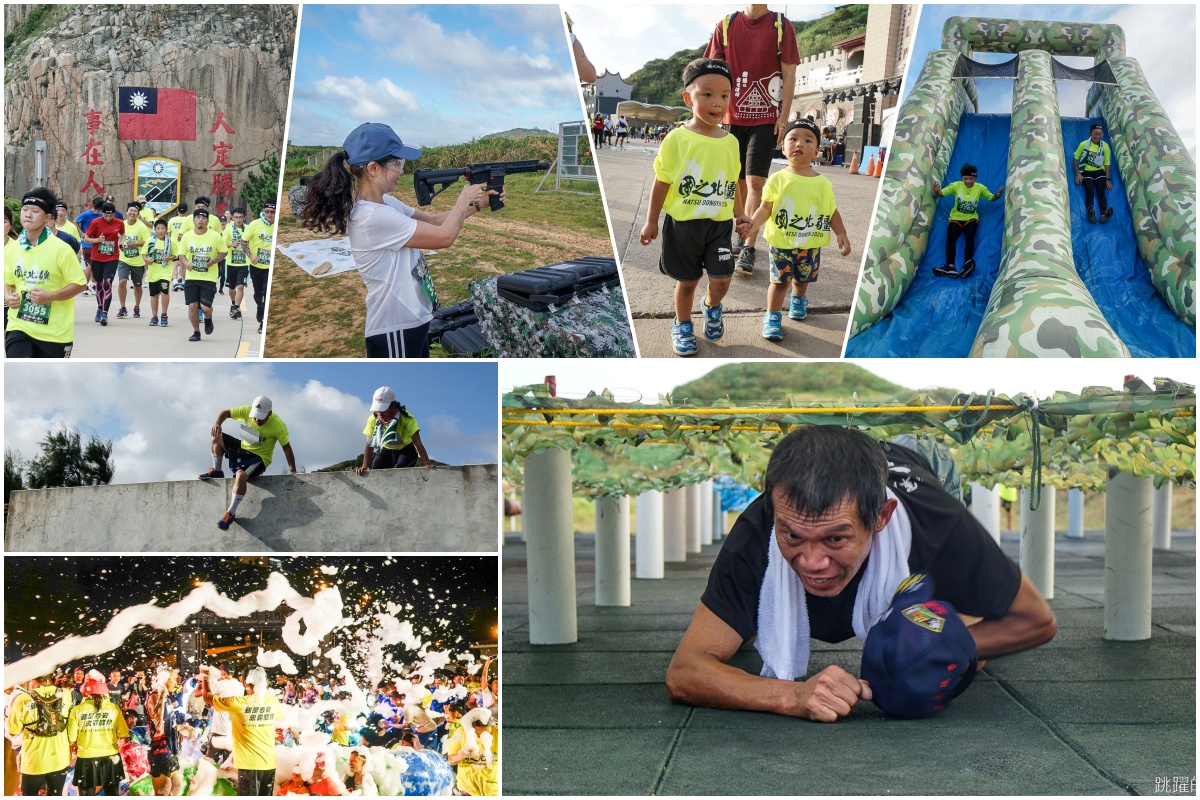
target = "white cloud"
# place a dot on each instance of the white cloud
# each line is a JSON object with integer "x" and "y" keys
{"x": 361, "y": 99}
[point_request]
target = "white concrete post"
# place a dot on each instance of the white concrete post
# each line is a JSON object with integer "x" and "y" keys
{"x": 524, "y": 517}
{"x": 674, "y": 526}
{"x": 612, "y": 551}
{"x": 985, "y": 507}
{"x": 718, "y": 516}
{"x": 550, "y": 552}
{"x": 693, "y": 518}
{"x": 1128, "y": 557}
{"x": 1075, "y": 514}
{"x": 706, "y": 523}
{"x": 650, "y": 535}
{"x": 1162, "y": 517}
{"x": 1037, "y": 541}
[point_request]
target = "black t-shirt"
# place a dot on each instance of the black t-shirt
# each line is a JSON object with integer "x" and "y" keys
{"x": 948, "y": 544}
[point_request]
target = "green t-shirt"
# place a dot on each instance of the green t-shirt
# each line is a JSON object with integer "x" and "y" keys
{"x": 268, "y": 433}
{"x": 392, "y": 437}
{"x": 966, "y": 201}
{"x": 203, "y": 251}
{"x": 702, "y": 173}
{"x": 801, "y": 210}
{"x": 49, "y": 264}
{"x": 1092, "y": 157}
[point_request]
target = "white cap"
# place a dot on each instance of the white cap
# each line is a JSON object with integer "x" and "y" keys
{"x": 383, "y": 399}
{"x": 260, "y": 408}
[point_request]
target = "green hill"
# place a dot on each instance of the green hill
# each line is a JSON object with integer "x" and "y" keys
{"x": 518, "y": 133}
{"x": 762, "y": 382}
{"x": 657, "y": 81}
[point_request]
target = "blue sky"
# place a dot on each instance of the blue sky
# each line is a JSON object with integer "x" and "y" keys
{"x": 158, "y": 414}
{"x": 438, "y": 74}
{"x": 1161, "y": 38}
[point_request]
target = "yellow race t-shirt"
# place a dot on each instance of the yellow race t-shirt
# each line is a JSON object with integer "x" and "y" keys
{"x": 966, "y": 201}
{"x": 96, "y": 731}
{"x": 203, "y": 251}
{"x": 475, "y": 777}
{"x": 238, "y": 247}
{"x": 702, "y": 173}
{"x": 39, "y": 754}
{"x": 71, "y": 229}
{"x": 179, "y": 226}
{"x": 1092, "y": 157}
{"x": 268, "y": 433}
{"x": 801, "y": 210}
{"x": 260, "y": 235}
{"x": 133, "y": 243}
{"x": 406, "y": 426}
{"x": 254, "y": 719}
{"x": 147, "y": 216}
{"x": 160, "y": 258}
{"x": 50, "y": 264}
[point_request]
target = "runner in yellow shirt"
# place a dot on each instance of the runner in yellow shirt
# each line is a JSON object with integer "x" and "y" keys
{"x": 237, "y": 263}
{"x": 199, "y": 252}
{"x": 39, "y": 717}
{"x": 95, "y": 728}
{"x": 160, "y": 265}
{"x": 41, "y": 278}
{"x": 261, "y": 235}
{"x": 133, "y": 260}
{"x": 145, "y": 211}
{"x": 254, "y": 718}
{"x": 179, "y": 224}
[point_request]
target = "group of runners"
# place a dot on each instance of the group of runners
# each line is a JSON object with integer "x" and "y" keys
{"x": 50, "y": 259}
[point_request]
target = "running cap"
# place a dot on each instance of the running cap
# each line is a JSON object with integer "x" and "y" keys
{"x": 804, "y": 124}
{"x": 269, "y": 204}
{"x": 200, "y": 212}
{"x": 706, "y": 66}
{"x": 969, "y": 169}
{"x": 374, "y": 141}
{"x": 141, "y": 198}
{"x": 383, "y": 399}
{"x": 260, "y": 408}
{"x": 920, "y": 656}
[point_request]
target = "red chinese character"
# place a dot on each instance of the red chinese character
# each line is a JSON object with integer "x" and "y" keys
{"x": 221, "y": 123}
{"x": 222, "y": 208}
{"x": 222, "y": 184}
{"x": 91, "y": 152}
{"x": 93, "y": 121}
{"x": 91, "y": 184}
{"x": 221, "y": 149}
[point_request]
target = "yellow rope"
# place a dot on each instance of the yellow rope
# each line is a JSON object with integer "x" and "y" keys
{"x": 668, "y": 412}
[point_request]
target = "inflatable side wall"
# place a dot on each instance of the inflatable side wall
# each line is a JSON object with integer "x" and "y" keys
{"x": 1160, "y": 179}
{"x": 1039, "y": 306}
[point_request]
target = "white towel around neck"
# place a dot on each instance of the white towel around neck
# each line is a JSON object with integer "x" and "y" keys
{"x": 784, "y": 638}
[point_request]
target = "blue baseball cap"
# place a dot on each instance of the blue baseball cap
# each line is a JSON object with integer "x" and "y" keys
{"x": 920, "y": 656}
{"x": 374, "y": 141}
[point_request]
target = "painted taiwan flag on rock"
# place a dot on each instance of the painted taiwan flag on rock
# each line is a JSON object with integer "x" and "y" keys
{"x": 162, "y": 114}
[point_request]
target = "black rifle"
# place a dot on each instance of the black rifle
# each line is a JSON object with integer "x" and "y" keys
{"x": 429, "y": 183}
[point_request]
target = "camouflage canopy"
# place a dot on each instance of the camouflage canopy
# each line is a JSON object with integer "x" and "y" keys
{"x": 1067, "y": 440}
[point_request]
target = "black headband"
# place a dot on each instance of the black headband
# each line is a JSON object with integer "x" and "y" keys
{"x": 806, "y": 123}
{"x": 710, "y": 66}
{"x": 34, "y": 200}
{"x": 199, "y": 212}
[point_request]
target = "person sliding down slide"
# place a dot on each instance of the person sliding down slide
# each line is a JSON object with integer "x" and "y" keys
{"x": 964, "y": 219}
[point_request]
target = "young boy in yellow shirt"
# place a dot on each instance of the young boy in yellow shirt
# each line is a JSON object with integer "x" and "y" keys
{"x": 799, "y": 210}
{"x": 696, "y": 175}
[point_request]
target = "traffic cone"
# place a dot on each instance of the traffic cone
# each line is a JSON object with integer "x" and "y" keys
{"x": 854, "y": 164}
{"x": 879, "y": 166}
{"x": 871, "y": 165}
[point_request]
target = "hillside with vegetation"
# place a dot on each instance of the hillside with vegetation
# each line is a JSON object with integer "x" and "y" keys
{"x": 770, "y": 382}
{"x": 658, "y": 81}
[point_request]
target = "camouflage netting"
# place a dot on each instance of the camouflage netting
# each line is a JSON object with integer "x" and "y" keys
{"x": 1038, "y": 307}
{"x": 593, "y": 326}
{"x": 993, "y": 438}
{"x": 1160, "y": 179}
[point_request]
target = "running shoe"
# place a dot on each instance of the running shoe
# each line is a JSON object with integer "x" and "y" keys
{"x": 86, "y": 293}
{"x": 798, "y": 308}
{"x": 947, "y": 271}
{"x": 211, "y": 473}
{"x": 683, "y": 338}
{"x": 154, "y": 322}
{"x": 99, "y": 314}
{"x": 1106, "y": 216}
{"x": 177, "y": 286}
{"x": 714, "y": 326}
{"x": 224, "y": 522}
{"x": 195, "y": 337}
{"x": 103, "y": 317}
{"x": 163, "y": 321}
{"x": 773, "y": 326}
{"x": 208, "y": 326}
{"x": 122, "y": 314}
{"x": 220, "y": 291}
{"x": 968, "y": 268}
{"x": 137, "y": 313}
{"x": 235, "y": 312}
{"x": 260, "y": 327}
{"x": 1092, "y": 215}
{"x": 738, "y": 244}
{"x": 746, "y": 259}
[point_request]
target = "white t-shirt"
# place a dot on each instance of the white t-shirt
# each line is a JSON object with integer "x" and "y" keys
{"x": 378, "y": 235}
{"x": 622, "y": 125}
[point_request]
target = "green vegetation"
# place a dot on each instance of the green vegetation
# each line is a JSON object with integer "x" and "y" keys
{"x": 16, "y": 41}
{"x": 65, "y": 460}
{"x": 658, "y": 81}
{"x": 517, "y": 133}
{"x": 762, "y": 382}
{"x": 261, "y": 186}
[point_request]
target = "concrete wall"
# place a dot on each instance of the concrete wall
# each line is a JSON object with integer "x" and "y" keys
{"x": 452, "y": 509}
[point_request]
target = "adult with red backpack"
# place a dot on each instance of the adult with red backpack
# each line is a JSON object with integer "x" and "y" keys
{"x": 39, "y": 717}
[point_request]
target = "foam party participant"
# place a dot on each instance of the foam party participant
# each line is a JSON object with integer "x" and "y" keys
{"x": 359, "y": 780}
{"x": 261, "y": 235}
{"x": 37, "y": 718}
{"x": 95, "y": 728}
{"x": 475, "y": 750}
{"x": 254, "y": 719}
{"x": 164, "y": 738}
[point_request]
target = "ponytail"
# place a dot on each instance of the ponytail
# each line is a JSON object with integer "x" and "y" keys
{"x": 330, "y": 196}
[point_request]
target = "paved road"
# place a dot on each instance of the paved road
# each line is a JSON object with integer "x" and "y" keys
{"x": 1077, "y": 716}
{"x": 628, "y": 177}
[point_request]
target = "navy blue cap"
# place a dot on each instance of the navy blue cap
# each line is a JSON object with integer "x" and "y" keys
{"x": 374, "y": 141}
{"x": 920, "y": 656}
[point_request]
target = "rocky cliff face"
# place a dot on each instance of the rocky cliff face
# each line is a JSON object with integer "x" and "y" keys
{"x": 238, "y": 60}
